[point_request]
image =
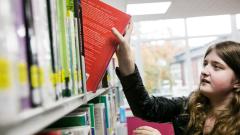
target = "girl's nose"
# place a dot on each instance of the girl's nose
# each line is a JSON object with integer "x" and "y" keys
{"x": 205, "y": 71}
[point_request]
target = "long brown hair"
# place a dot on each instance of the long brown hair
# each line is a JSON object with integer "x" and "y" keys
{"x": 228, "y": 122}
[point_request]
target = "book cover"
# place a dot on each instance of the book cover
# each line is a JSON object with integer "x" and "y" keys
{"x": 134, "y": 122}
{"x": 99, "y": 42}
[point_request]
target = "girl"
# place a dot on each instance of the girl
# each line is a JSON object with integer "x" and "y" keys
{"x": 212, "y": 109}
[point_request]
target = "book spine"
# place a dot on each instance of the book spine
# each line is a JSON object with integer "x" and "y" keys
{"x": 83, "y": 109}
{"x": 113, "y": 110}
{"x": 83, "y": 130}
{"x": 43, "y": 50}
{"x": 81, "y": 46}
{"x": 32, "y": 54}
{"x": 113, "y": 80}
{"x": 20, "y": 29}
{"x": 105, "y": 99}
{"x": 99, "y": 111}
{"x": 78, "y": 68}
{"x": 52, "y": 24}
{"x": 91, "y": 106}
{"x": 75, "y": 74}
{"x": 70, "y": 49}
{"x": 77, "y": 44}
{"x": 65, "y": 71}
{"x": 77, "y": 130}
{"x": 56, "y": 47}
{"x": 92, "y": 117}
{"x": 70, "y": 14}
{"x": 105, "y": 79}
{"x": 9, "y": 50}
{"x": 84, "y": 74}
{"x": 71, "y": 120}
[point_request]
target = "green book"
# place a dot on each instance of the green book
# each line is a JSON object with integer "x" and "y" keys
{"x": 65, "y": 71}
{"x": 71, "y": 120}
{"x": 105, "y": 99}
{"x": 90, "y": 109}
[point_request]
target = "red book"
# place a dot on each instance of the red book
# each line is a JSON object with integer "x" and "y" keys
{"x": 99, "y": 42}
{"x": 134, "y": 122}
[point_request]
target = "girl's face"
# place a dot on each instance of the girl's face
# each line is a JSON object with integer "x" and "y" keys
{"x": 217, "y": 78}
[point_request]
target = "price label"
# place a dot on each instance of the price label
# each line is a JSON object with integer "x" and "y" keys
{"x": 22, "y": 73}
{"x": 34, "y": 76}
{"x": 5, "y": 79}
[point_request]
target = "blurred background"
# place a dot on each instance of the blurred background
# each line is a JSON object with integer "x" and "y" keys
{"x": 171, "y": 36}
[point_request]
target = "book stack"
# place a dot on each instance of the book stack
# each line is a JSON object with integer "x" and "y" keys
{"x": 105, "y": 104}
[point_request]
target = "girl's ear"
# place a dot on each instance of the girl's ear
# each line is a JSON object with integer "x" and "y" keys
{"x": 236, "y": 84}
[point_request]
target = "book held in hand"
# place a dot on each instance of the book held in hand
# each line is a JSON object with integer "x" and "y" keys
{"x": 99, "y": 42}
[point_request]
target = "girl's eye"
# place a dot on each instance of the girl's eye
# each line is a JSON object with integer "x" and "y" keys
{"x": 217, "y": 67}
{"x": 204, "y": 64}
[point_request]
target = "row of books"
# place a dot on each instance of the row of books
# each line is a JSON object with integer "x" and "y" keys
{"x": 42, "y": 57}
{"x": 98, "y": 117}
{"x": 40, "y": 60}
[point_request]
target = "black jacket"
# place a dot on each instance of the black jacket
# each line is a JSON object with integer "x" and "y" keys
{"x": 156, "y": 109}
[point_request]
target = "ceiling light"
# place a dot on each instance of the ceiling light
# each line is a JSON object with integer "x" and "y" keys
{"x": 148, "y": 8}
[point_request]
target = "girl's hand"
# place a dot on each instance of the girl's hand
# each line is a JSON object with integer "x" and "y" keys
{"x": 124, "y": 54}
{"x": 146, "y": 130}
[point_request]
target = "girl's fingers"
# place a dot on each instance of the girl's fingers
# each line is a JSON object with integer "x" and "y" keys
{"x": 118, "y": 34}
{"x": 127, "y": 35}
{"x": 142, "y": 132}
{"x": 146, "y": 130}
{"x": 129, "y": 28}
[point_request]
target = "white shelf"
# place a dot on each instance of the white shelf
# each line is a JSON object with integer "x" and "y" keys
{"x": 35, "y": 120}
{"x": 90, "y": 96}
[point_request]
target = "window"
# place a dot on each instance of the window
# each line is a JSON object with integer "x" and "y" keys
{"x": 160, "y": 29}
{"x": 209, "y": 25}
{"x": 238, "y": 21}
{"x": 157, "y": 57}
{"x": 197, "y": 42}
{"x": 167, "y": 62}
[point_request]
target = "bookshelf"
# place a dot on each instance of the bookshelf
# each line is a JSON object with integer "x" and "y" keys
{"x": 43, "y": 77}
{"x": 33, "y": 121}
